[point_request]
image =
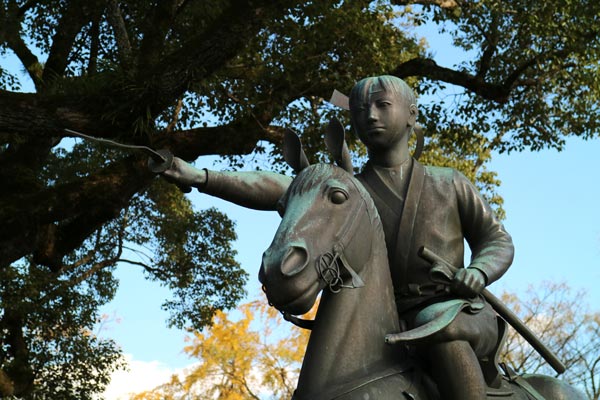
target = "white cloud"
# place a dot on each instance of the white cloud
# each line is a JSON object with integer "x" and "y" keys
{"x": 141, "y": 375}
{"x": 147, "y": 375}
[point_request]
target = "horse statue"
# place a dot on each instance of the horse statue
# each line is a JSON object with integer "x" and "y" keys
{"x": 330, "y": 242}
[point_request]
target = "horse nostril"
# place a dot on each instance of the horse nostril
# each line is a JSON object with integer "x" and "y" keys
{"x": 294, "y": 261}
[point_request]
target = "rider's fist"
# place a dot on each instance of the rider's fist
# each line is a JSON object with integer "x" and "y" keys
{"x": 184, "y": 175}
{"x": 468, "y": 282}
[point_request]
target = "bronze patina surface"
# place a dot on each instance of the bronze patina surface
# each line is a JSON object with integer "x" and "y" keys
{"x": 357, "y": 240}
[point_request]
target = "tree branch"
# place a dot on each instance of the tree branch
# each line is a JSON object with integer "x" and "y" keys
{"x": 237, "y": 138}
{"x": 78, "y": 208}
{"x": 94, "y": 45}
{"x": 138, "y": 263}
{"x": 115, "y": 19}
{"x": 489, "y": 47}
{"x": 29, "y": 115}
{"x": 92, "y": 270}
{"x": 430, "y": 69}
{"x": 10, "y": 32}
{"x": 204, "y": 53}
{"x": 157, "y": 24}
{"x": 76, "y": 15}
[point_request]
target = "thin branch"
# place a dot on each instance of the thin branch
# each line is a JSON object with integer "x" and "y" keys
{"x": 491, "y": 43}
{"x": 175, "y": 116}
{"x": 94, "y": 46}
{"x": 561, "y": 53}
{"x": 138, "y": 263}
{"x": 115, "y": 19}
{"x": 91, "y": 271}
{"x": 138, "y": 252}
{"x": 74, "y": 18}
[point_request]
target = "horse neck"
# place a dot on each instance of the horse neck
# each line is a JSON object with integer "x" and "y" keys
{"x": 347, "y": 341}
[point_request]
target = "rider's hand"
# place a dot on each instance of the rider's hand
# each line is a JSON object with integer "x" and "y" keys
{"x": 184, "y": 175}
{"x": 468, "y": 282}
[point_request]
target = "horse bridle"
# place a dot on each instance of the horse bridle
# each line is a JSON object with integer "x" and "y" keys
{"x": 328, "y": 264}
{"x": 328, "y": 267}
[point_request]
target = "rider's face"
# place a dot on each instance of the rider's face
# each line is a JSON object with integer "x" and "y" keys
{"x": 383, "y": 118}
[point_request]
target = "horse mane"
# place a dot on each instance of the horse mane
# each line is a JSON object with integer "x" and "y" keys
{"x": 306, "y": 179}
{"x": 371, "y": 210}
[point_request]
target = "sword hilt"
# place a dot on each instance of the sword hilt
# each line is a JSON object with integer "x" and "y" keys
{"x": 162, "y": 163}
{"x": 158, "y": 162}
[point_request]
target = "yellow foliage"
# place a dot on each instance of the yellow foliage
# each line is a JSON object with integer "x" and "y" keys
{"x": 244, "y": 354}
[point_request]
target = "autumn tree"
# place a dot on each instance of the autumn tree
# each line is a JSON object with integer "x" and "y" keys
{"x": 243, "y": 355}
{"x": 224, "y": 78}
{"x": 250, "y": 349}
{"x": 564, "y": 322}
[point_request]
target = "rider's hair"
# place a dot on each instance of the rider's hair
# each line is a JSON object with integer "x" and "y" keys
{"x": 360, "y": 91}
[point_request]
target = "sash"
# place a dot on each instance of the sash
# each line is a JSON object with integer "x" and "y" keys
{"x": 406, "y": 227}
{"x": 397, "y": 215}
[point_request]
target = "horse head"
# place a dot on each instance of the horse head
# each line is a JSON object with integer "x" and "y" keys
{"x": 321, "y": 240}
{"x": 324, "y": 239}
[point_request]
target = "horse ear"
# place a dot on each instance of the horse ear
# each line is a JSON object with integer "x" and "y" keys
{"x": 292, "y": 151}
{"x": 336, "y": 144}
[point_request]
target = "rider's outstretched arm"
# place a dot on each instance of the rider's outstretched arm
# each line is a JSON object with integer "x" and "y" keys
{"x": 259, "y": 190}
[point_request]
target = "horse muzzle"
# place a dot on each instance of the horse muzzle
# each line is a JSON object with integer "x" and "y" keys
{"x": 289, "y": 283}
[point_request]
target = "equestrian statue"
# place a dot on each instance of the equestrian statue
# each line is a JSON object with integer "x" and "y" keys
{"x": 400, "y": 316}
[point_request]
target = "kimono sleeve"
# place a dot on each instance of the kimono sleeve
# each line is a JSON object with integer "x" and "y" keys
{"x": 259, "y": 190}
{"x": 492, "y": 249}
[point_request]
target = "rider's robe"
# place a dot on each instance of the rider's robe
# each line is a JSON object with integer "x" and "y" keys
{"x": 437, "y": 208}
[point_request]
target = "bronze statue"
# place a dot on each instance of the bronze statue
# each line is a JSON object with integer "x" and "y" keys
{"x": 346, "y": 358}
{"x": 451, "y": 332}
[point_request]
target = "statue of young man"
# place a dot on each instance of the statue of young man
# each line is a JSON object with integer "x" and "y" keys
{"x": 419, "y": 206}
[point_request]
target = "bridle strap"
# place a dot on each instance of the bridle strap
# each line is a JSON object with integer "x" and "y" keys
{"x": 327, "y": 264}
{"x": 328, "y": 267}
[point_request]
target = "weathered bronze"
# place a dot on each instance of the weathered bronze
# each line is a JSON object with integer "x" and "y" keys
{"x": 440, "y": 264}
{"x": 159, "y": 161}
{"x": 346, "y": 357}
{"x": 358, "y": 238}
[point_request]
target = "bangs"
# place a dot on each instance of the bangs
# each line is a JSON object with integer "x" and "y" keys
{"x": 389, "y": 83}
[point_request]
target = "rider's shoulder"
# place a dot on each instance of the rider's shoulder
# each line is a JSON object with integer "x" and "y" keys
{"x": 446, "y": 179}
{"x": 446, "y": 174}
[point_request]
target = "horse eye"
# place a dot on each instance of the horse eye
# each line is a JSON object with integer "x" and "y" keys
{"x": 338, "y": 196}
